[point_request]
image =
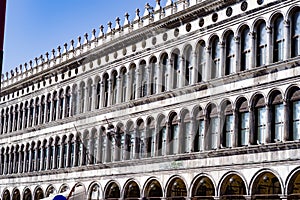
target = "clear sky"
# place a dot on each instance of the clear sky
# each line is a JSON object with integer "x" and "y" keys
{"x": 34, "y": 27}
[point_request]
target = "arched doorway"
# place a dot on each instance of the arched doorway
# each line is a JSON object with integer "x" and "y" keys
{"x": 153, "y": 190}
{"x": 266, "y": 186}
{"x": 132, "y": 191}
{"x": 233, "y": 187}
{"x": 203, "y": 189}
{"x": 112, "y": 192}
{"x": 6, "y": 195}
{"x": 39, "y": 194}
{"x": 177, "y": 189}
{"x": 16, "y": 195}
{"x": 293, "y": 190}
{"x": 27, "y": 194}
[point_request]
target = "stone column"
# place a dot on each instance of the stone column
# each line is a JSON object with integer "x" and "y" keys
{"x": 287, "y": 118}
{"x": 221, "y": 70}
{"x": 253, "y": 51}
{"x": 221, "y": 124}
{"x": 207, "y": 68}
{"x": 269, "y": 56}
{"x": 237, "y": 59}
{"x": 287, "y": 40}
{"x": 4, "y": 124}
{"x": 87, "y": 99}
{"x": 180, "y": 140}
{"x": 268, "y": 135}
{"x": 206, "y": 134}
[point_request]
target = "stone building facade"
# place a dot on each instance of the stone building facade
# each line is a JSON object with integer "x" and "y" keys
{"x": 193, "y": 99}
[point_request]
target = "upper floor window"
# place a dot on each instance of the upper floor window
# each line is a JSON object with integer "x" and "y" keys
{"x": 295, "y": 34}
{"x": 133, "y": 81}
{"x": 277, "y": 110}
{"x": 164, "y": 74}
{"x": 213, "y": 126}
{"x": 243, "y": 123}
{"x": 154, "y": 75}
{"x": 188, "y": 59}
{"x": 228, "y": 127}
{"x": 151, "y": 137}
{"x": 261, "y": 44}
{"x": 174, "y": 135}
{"x": 201, "y": 60}
{"x": 144, "y": 79}
{"x": 260, "y": 120}
{"x": 245, "y": 49}
{"x": 162, "y": 137}
{"x": 278, "y": 39}
{"x": 175, "y": 62}
{"x": 199, "y": 134}
{"x": 216, "y": 58}
{"x": 114, "y": 87}
{"x": 230, "y": 54}
{"x": 185, "y": 135}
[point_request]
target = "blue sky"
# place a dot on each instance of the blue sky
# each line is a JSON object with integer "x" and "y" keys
{"x": 34, "y": 27}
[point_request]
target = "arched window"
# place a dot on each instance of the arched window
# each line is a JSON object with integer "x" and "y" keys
{"x": 277, "y": 113}
{"x": 261, "y": 44}
{"x": 38, "y": 157}
{"x": 120, "y": 142}
{"x": 105, "y": 87}
{"x": 31, "y": 112}
{"x": 11, "y": 119}
{"x": 186, "y": 132}
{"x": 103, "y": 144}
{"x": 162, "y": 136}
{"x": 243, "y": 123}
{"x": 144, "y": 78}
{"x": 130, "y": 142}
{"x": 57, "y": 148}
{"x": 278, "y": 39}
{"x": 26, "y": 157}
{"x": 233, "y": 187}
{"x": 32, "y": 151}
{"x": 212, "y": 127}
{"x": 2, "y": 120}
{"x": 48, "y": 109}
{"x": 89, "y": 95}
{"x": 228, "y": 124}
{"x": 61, "y": 104}
{"x": 98, "y": 92}
{"x": 37, "y": 111}
{"x": 295, "y": 33}
{"x": 132, "y": 74}
{"x": 54, "y": 106}
{"x": 164, "y": 73}
{"x": 199, "y": 130}
{"x": 245, "y": 49}
{"x": 132, "y": 191}
{"x": 216, "y": 58}
{"x": 74, "y": 100}
{"x": 51, "y": 153}
{"x": 173, "y": 142}
{"x": 16, "y": 120}
{"x": 26, "y": 115}
{"x": 16, "y": 164}
{"x": 27, "y": 195}
{"x": 176, "y": 189}
{"x": 150, "y": 141}
{"x": 111, "y": 144}
{"x": 94, "y": 147}
{"x": 64, "y": 146}
{"x": 82, "y": 97}
{"x": 141, "y": 135}
{"x": 44, "y": 157}
{"x": 78, "y": 151}
{"x": 260, "y": 115}
{"x": 68, "y": 102}
{"x": 86, "y": 149}
{"x": 175, "y": 63}
{"x": 294, "y": 107}
{"x": 123, "y": 74}
{"x": 154, "y": 75}
{"x": 153, "y": 190}
{"x": 201, "y": 60}
{"x": 114, "y": 87}
{"x": 188, "y": 63}
{"x": 112, "y": 192}
{"x": 230, "y": 53}
{"x": 72, "y": 151}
